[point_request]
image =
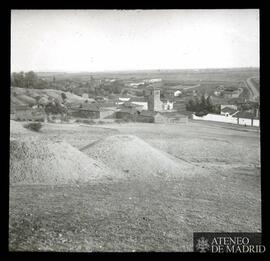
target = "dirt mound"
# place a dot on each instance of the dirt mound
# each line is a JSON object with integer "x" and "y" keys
{"x": 134, "y": 156}
{"x": 44, "y": 162}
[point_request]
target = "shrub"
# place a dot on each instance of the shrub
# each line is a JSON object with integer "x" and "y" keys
{"x": 201, "y": 113}
{"x": 34, "y": 126}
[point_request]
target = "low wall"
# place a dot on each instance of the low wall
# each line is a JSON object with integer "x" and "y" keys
{"x": 215, "y": 117}
{"x": 256, "y": 123}
{"x": 229, "y": 119}
{"x": 243, "y": 121}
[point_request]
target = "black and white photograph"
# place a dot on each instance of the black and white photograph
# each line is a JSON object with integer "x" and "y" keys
{"x": 133, "y": 130}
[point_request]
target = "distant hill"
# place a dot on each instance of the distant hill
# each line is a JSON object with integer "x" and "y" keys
{"x": 23, "y": 96}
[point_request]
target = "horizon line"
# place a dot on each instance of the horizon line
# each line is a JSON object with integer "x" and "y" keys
{"x": 136, "y": 70}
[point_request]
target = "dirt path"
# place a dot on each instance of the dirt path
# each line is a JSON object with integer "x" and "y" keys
{"x": 252, "y": 89}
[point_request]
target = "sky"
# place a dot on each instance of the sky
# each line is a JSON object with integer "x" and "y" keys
{"x": 112, "y": 40}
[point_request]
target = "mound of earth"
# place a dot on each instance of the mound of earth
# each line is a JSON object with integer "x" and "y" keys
{"x": 134, "y": 156}
{"x": 44, "y": 162}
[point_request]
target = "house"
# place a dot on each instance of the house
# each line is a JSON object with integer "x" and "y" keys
{"x": 85, "y": 110}
{"x": 177, "y": 93}
{"x": 227, "y": 111}
{"x": 217, "y": 93}
{"x": 144, "y": 105}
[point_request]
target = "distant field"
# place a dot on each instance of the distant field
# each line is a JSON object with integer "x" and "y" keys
{"x": 226, "y": 75}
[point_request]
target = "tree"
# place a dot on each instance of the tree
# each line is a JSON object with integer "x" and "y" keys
{"x": 63, "y": 96}
{"x": 203, "y": 105}
{"x": 31, "y": 79}
{"x": 17, "y": 79}
{"x": 209, "y": 104}
{"x": 191, "y": 105}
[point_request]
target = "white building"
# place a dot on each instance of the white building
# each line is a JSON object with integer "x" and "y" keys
{"x": 143, "y": 104}
{"x": 168, "y": 105}
{"x": 124, "y": 99}
{"x": 177, "y": 93}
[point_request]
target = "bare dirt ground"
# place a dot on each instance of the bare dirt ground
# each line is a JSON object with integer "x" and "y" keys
{"x": 154, "y": 214}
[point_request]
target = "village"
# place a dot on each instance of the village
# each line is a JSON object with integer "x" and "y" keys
{"x": 133, "y": 130}
{"x": 148, "y": 100}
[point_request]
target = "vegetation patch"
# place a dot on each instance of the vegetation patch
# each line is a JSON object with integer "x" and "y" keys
{"x": 33, "y": 126}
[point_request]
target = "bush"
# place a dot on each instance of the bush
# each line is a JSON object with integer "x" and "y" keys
{"x": 34, "y": 126}
{"x": 201, "y": 113}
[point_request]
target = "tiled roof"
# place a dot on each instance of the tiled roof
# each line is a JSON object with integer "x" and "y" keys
{"x": 229, "y": 110}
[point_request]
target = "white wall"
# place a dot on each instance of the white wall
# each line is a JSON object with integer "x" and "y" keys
{"x": 256, "y": 123}
{"x": 229, "y": 119}
{"x": 215, "y": 117}
{"x": 243, "y": 121}
{"x": 144, "y": 104}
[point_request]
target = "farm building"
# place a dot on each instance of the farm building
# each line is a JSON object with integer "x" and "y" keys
{"x": 177, "y": 93}
{"x": 86, "y": 110}
{"x": 227, "y": 111}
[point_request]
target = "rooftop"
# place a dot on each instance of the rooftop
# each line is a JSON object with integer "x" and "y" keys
{"x": 229, "y": 110}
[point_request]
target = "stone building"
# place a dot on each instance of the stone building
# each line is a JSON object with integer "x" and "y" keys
{"x": 154, "y": 102}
